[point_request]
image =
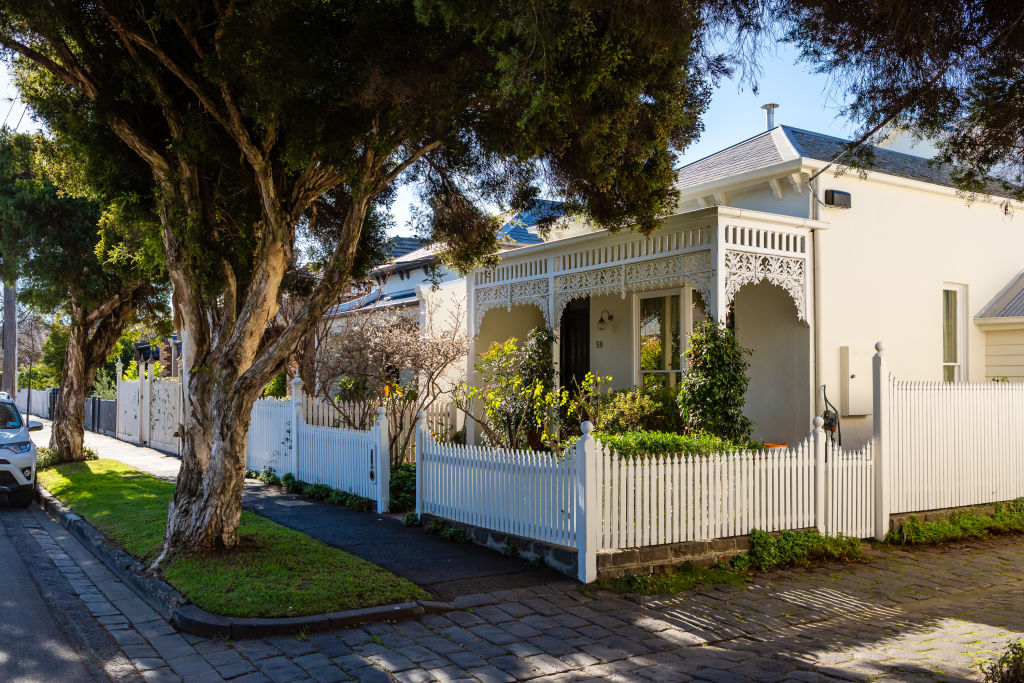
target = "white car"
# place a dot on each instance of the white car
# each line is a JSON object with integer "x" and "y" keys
{"x": 17, "y": 454}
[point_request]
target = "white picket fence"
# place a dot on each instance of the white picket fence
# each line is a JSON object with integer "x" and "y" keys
{"x": 352, "y": 460}
{"x": 443, "y": 418}
{"x": 952, "y": 445}
{"x": 40, "y": 402}
{"x": 149, "y": 410}
{"x": 524, "y": 493}
{"x": 934, "y": 446}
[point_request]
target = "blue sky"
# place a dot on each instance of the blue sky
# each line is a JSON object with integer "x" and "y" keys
{"x": 806, "y": 101}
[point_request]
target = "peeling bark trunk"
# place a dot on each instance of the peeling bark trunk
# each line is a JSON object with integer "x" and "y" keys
{"x": 226, "y": 371}
{"x": 69, "y": 411}
{"x": 91, "y": 338}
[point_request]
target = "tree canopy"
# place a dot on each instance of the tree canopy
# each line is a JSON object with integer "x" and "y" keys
{"x": 947, "y": 70}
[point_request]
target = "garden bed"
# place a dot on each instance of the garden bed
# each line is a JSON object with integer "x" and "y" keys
{"x": 277, "y": 572}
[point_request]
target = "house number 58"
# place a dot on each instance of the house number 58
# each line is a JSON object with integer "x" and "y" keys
{"x": 599, "y": 344}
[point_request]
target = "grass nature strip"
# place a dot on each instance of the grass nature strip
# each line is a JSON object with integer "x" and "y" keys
{"x": 277, "y": 572}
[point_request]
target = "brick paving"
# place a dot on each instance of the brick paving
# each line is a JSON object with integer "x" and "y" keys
{"x": 926, "y": 614}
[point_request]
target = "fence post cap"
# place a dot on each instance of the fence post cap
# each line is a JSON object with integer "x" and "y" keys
{"x": 587, "y": 427}
{"x": 380, "y": 412}
{"x": 879, "y": 347}
{"x": 817, "y": 422}
{"x": 297, "y": 381}
{"x": 419, "y": 414}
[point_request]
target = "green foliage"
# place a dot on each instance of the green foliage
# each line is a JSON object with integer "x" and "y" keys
{"x": 514, "y": 378}
{"x": 45, "y": 458}
{"x": 673, "y": 580}
{"x": 445, "y": 530}
{"x": 715, "y": 383}
{"x": 291, "y": 484}
{"x": 1009, "y": 668}
{"x": 267, "y": 475}
{"x": 317, "y": 491}
{"x": 131, "y": 371}
{"x": 41, "y": 378}
{"x": 795, "y": 548}
{"x": 54, "y": 348}
{"x": 351, "y": 501}
{"x": 640, "y": 409}
{"x": 278, "y": 387}
{"x": 104, "y": 386}
{"x": 403, "y": 487}
{"x": 662, "y": 443}
{"x": 961, "y": 525}
{"x": 411, "y": 519}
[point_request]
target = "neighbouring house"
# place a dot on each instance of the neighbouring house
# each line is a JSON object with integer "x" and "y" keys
{"x": 413, "y": 281}
{"x": 809, "y": 270}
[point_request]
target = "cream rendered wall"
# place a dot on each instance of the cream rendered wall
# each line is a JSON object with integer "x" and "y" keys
{"x": 1004, "y": 354}
{"x": 499, "y": 325}
{"x": 777, "y": 398}
{"x": 614, "y": 356}
{"x": 882, "y": 267}
{"x": 760, "y": 198}
{"x": 442, "y": 310}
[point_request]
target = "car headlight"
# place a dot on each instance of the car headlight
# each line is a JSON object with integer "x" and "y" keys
{"x": 21, "y": 447}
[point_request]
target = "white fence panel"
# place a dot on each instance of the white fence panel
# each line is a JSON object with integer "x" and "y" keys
{"x": 954, "y": 444}
{"x": 164, "y": 415}
{"x": 849, "y": 492}
{"x": 40, "y": 402}
{"x": 343, "y": 459}
{"x": 523, "y": 493}
{"x": 268, "y": 443}
{"x": 128, "y": 410}
{"x": 652, "y": 500}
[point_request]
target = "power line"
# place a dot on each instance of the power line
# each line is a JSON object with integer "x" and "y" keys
{"x": 9, "y": 109}
{"x": 20, "y": 118}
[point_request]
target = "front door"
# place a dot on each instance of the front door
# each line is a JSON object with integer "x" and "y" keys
{"x": 574, "y": 344}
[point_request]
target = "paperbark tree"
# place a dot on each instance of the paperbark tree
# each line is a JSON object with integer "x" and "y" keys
{"x": 254, "y": 118}
{"x": 10, "y": 341}
{"x": 48, "y": 243}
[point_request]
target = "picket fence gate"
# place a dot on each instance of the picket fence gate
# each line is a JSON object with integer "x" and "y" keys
{"x": 353, "y": 460}
{"x": 149, "y": 410}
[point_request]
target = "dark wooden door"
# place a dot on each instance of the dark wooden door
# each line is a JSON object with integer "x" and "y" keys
{"x": 574, "y": 344}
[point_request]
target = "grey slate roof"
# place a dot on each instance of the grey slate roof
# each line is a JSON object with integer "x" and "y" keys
{"x": 763, "y": 150}
{"x": 400, "y": 246}
{"x": 515, "y": 230}
{"x": 748, "y": 155}
{"x": 825, "y": 148}
{"x": 1009, "y": 303}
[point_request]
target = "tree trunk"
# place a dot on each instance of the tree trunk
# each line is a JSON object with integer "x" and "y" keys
{"x": 66, "y": 436}
{"x": 10, "y": 342}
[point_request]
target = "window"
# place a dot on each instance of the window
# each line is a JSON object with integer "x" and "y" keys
{"x": 953, "y": 328}
{"x": 9, "y": 417}
{"x": 659, "y": 341}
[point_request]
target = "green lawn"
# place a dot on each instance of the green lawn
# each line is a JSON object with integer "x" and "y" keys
{"x": 277, "y": 572}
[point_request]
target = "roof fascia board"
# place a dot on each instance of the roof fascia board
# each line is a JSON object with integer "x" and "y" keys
{"x": 730, "y": 183}
{"x": 995, "y": 323}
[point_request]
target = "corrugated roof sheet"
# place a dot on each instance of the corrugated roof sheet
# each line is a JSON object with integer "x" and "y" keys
{"x": 1009, "y": 303}
{"x": 373, "y": 301}
{"x": 748, "y": 155}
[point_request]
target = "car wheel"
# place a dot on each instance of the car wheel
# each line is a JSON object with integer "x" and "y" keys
{"x": 21, "y": 499}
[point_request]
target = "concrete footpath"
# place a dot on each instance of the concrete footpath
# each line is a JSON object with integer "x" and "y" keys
{"x": 444, "y": 568}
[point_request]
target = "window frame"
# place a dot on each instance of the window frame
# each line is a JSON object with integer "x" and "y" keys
{"x": 960, "y": 320}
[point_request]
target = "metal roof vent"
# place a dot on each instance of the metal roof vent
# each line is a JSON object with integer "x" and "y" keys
{"x": 769, "y": 109}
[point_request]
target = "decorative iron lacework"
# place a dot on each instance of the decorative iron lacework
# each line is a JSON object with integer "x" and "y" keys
{"x": 682, "y": 270}
{"x": 742, "y": 268}
{"x": 527, "y": 292}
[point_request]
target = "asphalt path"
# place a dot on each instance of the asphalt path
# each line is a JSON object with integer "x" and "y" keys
{"x": 39, "y": 639}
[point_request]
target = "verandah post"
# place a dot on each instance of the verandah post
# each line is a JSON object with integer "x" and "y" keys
{"x": 421, "y": 461}
{"x": 296, "y": 421}
{"x": 588, "y": 511}
{"x": 819, "y": 473}
{"x": 880, "y": 416}
{"x": 383, "y": 462}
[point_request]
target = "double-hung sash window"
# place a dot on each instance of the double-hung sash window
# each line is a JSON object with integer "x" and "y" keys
{"x": 660, "y": 341}
{"x": 953, "y": 333}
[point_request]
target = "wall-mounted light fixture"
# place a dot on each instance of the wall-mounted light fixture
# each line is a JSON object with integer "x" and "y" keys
{"x": 605, "y": 318}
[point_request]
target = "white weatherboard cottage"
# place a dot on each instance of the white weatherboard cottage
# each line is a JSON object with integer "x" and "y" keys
{"x": 810, "y": 273}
